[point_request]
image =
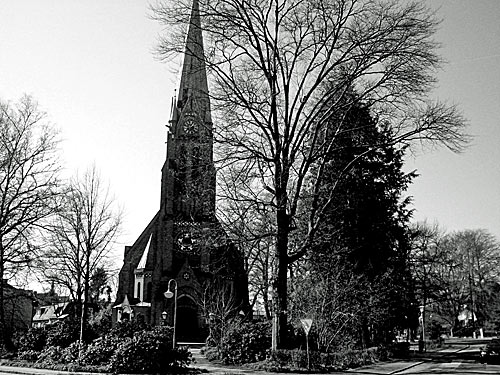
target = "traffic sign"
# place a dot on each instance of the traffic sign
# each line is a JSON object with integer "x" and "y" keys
{"x": 306, "y": 323}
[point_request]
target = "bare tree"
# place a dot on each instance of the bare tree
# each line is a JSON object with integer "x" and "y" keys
{"x": 219, "y": 305}
{"x": 28, "y": 186}
{"x": 455, "y": 269}
{"x": 474, "y": 256}
{"x": 280, "y": 69}
{"x": 431, "y": 270}
{"x": 82, "y": 236}
{"x": 249, "y": 223}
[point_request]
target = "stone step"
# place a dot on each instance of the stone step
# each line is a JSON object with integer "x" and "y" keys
{"x": 191, "y": 345}
{"x": 198, "y": 357}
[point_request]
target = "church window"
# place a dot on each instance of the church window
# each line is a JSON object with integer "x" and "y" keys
{"x": 138, "y": 291}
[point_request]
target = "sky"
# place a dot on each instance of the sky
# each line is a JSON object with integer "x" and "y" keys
{"x": 463, "y": 191}
{"x": 91, "y": 67}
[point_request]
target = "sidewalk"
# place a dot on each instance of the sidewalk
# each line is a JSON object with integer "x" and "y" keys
{"x": 39, "y": 371}
{"x": 201, "y": 363}
{"x": 386, "y": 367}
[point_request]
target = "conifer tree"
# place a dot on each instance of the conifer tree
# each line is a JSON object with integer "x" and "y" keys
{"x": 361, "y": 246}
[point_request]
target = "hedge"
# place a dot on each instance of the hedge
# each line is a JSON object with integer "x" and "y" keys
{"x": 296, "y": 360}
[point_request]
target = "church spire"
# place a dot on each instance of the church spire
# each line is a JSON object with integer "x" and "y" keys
{"x": 193, "y": 89}
{"x": 188, "y": 175}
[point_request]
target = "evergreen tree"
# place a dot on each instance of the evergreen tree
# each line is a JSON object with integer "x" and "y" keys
{"x": 363, "y": 237}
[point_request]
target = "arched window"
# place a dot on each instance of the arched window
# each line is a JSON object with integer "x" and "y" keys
{"x": 139, "y": 291}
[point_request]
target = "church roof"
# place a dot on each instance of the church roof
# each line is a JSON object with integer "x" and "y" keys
{"x": 144, "y": 258}
{"x": 125, "y": 305}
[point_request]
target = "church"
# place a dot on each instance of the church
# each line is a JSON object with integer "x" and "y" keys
{"x": 184, "y": 248}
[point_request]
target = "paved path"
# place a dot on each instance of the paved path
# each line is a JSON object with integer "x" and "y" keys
{"x": 38, "y": 371}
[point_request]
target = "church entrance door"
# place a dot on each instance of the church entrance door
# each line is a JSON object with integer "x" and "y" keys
{"x": 188, "y": 324}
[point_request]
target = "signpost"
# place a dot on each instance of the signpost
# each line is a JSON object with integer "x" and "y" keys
{"x": 306, "y": 324}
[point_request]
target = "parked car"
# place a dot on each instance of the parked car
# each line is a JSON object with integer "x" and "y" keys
{"x": 491, "y": 352}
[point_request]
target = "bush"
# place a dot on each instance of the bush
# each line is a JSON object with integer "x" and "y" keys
{"x": 245, "y": 342}
{"x": 126, "y": 328}
{"x": 149, "y": 352}
{"x": 101, "y": 350}
{"x": 100, "y": 322}
{"x": 51, "y": 354}
{"x": 296, "y": 360}
{"x": 71, "y": 353}
{"x": 63, "y": 333}
{"x": 34, "y": 339}
{"x": 28, "y": 355}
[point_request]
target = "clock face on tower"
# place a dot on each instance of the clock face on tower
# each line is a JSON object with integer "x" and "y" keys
{"x": 189, "y": 125}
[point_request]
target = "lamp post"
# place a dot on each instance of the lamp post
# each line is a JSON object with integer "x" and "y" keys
{"x": 169, "y": 294}
{"x": 421, "y": 342}
{"x": 164, "y": 318}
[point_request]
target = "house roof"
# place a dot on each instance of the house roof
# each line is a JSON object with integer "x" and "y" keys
{"x": 51, "y": 312}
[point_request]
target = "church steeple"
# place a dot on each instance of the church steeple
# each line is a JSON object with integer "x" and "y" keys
{"x": 193, "y": 88}
{"x": 188, "y": 182}
{"x": 184, "y": 241}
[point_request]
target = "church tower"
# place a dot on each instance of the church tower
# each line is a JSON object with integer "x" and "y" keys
{"x": 184, "y": 241}
{"x": 188, "y": 175}
{"x": 189, "y": 165}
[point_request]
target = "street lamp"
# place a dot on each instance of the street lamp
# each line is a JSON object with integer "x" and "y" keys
{"x": 421, "y": 343}
{"x": 164, "y": 318}
{"x": 170, "y": 294}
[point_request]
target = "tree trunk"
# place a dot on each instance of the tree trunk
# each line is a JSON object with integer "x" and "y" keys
{"x": 365, "y": 333}
{"x": 86, "y": 287}
{"x": 2, "y": 300}
{"x": 280, "y": 281}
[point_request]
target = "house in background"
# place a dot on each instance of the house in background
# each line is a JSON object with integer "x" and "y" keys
{"x": 18, "y": 307}
{"x": 50, "y": 308}
{"x": 49, "y": 314}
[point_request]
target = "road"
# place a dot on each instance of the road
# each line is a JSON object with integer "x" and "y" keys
{"x": 462, "y": 357}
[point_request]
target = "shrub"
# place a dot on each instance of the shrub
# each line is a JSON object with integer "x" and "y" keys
{"x": 71, "y": 353}
{"x": 245, "y": 342}
{"x": 101, "y": 350}
{"x": 149, "y": 352}
{"x": 51, "y": 354}
{"x": 296, "y": 360}
{"x": 63, "y": 333}
{"x": 100, "y": 322}
{"x": 28, "y": 355}
{"x": 34, "y": 339}
{"x": 126, "y": 328}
